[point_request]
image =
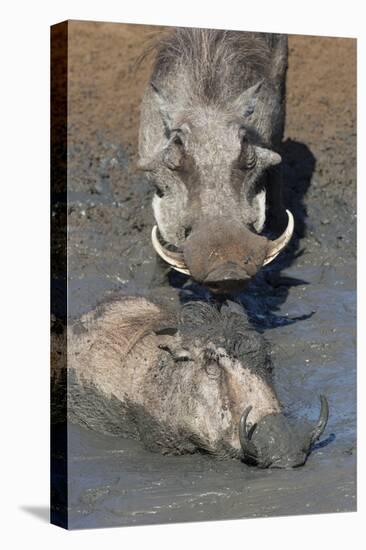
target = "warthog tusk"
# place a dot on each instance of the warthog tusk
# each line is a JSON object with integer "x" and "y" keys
{"x": 247, "y": 446}
{"x": 279, "y": 244}
{"x": 323, "y": 419}
{"x": 175, "y": 259}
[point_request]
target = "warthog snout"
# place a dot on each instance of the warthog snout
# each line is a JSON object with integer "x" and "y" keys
{"x": 222, "y": 255}
{"x": 275, "y": 443}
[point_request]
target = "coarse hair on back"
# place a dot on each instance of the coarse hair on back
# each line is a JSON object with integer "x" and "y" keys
{"x": 227, "y": 327}
{"x": 217, "y": 65}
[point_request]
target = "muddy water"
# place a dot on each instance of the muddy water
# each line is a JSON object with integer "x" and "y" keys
{"x": 307, "y": 312}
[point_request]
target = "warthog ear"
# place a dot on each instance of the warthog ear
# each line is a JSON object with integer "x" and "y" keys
{"x": 164, "y": 108}
{"x": 246, "y": 103}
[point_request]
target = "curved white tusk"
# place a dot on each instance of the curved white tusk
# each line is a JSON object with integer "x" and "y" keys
{"x": 323, "y": 419}
{"x": 279, "y": 244}
{"x": 181, "y": 270}
{"x": 174, "y": 259}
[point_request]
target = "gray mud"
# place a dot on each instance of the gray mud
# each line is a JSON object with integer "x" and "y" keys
{"x": 307, "y": 311}
{"x": 305, "y": 303}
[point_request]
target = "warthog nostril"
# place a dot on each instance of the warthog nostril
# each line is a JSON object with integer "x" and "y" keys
{"x": 247, "y": 259}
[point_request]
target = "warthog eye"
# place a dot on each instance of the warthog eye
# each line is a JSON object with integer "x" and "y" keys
{"x": 247, "y": 159}
{"x": 159, "y": 191}
{"x": 251, "y": 159}
{"x": 179, "y": 355}
{"x": 187, "y": 231}
{"x": 177, "y": 140}
{"x": 174, "y": 152}
{"x": 183, "y": 358}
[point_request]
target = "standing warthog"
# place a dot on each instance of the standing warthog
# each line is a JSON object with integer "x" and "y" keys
{"x": 199, "y": 382}
{"x": 212, "y": 121}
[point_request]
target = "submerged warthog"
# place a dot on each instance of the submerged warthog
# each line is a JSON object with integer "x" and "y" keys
{"x": 199, "y": 382}
{"x": 212, "y": 121}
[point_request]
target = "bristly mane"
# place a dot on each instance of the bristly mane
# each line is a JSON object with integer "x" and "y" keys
{"x": 216, "y": 65}
{"x": 228, "y": 329}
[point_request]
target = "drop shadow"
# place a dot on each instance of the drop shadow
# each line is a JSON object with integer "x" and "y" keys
{"x": 39, "y": 512}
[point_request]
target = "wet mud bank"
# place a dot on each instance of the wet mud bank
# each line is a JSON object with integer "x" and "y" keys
{"x": 305, "y": 303}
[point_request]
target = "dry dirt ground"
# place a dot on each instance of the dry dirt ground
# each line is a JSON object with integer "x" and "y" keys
{"x": 308, "y": 307}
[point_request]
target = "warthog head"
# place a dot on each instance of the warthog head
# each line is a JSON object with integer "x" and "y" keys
{"x": 210, "y": 201}
{"x": 197, "y": 382}
{"x": 219, "y": 379}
